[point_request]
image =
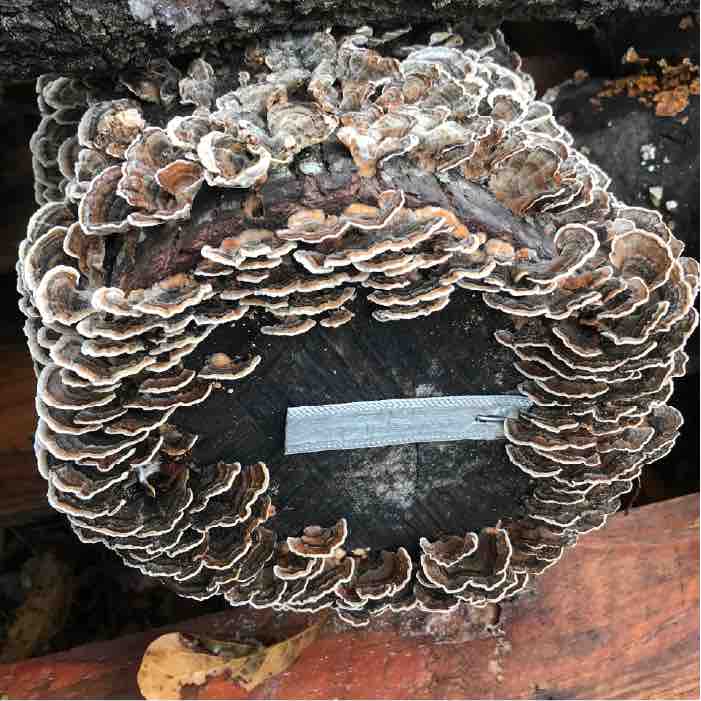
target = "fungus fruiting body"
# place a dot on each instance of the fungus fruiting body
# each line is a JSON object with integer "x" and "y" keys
{"x": 597, "y": 301}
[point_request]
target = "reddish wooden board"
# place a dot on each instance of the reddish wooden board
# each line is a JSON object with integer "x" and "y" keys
{"x": 618, "y": 618}
{"x": 17, "y": 386}
{"x": 23, "y": 495}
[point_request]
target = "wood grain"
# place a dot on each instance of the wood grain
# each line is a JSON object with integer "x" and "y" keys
{"x": 617, "y": 619}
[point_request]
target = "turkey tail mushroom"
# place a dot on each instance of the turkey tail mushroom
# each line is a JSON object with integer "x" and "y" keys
{"x": 222, "y": 192}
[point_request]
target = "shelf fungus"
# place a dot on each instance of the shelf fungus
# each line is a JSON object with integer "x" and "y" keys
{"x": 194, "y": 234}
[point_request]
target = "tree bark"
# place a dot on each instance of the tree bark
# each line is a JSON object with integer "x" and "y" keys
{"x": 93, "y": 37}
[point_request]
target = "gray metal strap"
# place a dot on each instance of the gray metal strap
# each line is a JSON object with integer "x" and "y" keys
{"x": 312, "y": 429}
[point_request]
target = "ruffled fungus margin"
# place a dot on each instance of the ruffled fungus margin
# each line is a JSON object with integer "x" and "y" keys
{"x": 599, "y": 294}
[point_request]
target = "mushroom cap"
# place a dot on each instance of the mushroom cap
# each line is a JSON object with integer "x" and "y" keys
{"x": 317, "y": 541}
{"x": 110, "y": 126}
{"x": 221, "y": 367}
{"x": 644, "y": 255}
{"x": 101, "y": 211}
{"x": 59, "y": 298}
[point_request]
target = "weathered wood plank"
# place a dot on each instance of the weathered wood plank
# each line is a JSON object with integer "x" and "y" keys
{"x": 619, "y": 618}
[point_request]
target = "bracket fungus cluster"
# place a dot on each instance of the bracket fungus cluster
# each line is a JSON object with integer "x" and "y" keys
{"x": 596, "y": 297}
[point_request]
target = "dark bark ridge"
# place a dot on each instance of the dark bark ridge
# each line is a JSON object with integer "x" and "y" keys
{"x": 97, "y": 37}
{"x": 177, "y": 248}
{"x": 461, "y": 182}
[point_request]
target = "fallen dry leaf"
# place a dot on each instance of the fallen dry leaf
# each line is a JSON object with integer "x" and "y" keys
{"x": 670, "y": 103}
{"x": 176, "y": 660}
{"x": 44, "y": 611}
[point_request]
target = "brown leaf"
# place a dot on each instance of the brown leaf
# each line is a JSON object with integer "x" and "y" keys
{"x": 45, "y": 609}
{"x": 671, "y": 102}
{"x": 176, "y": 660}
